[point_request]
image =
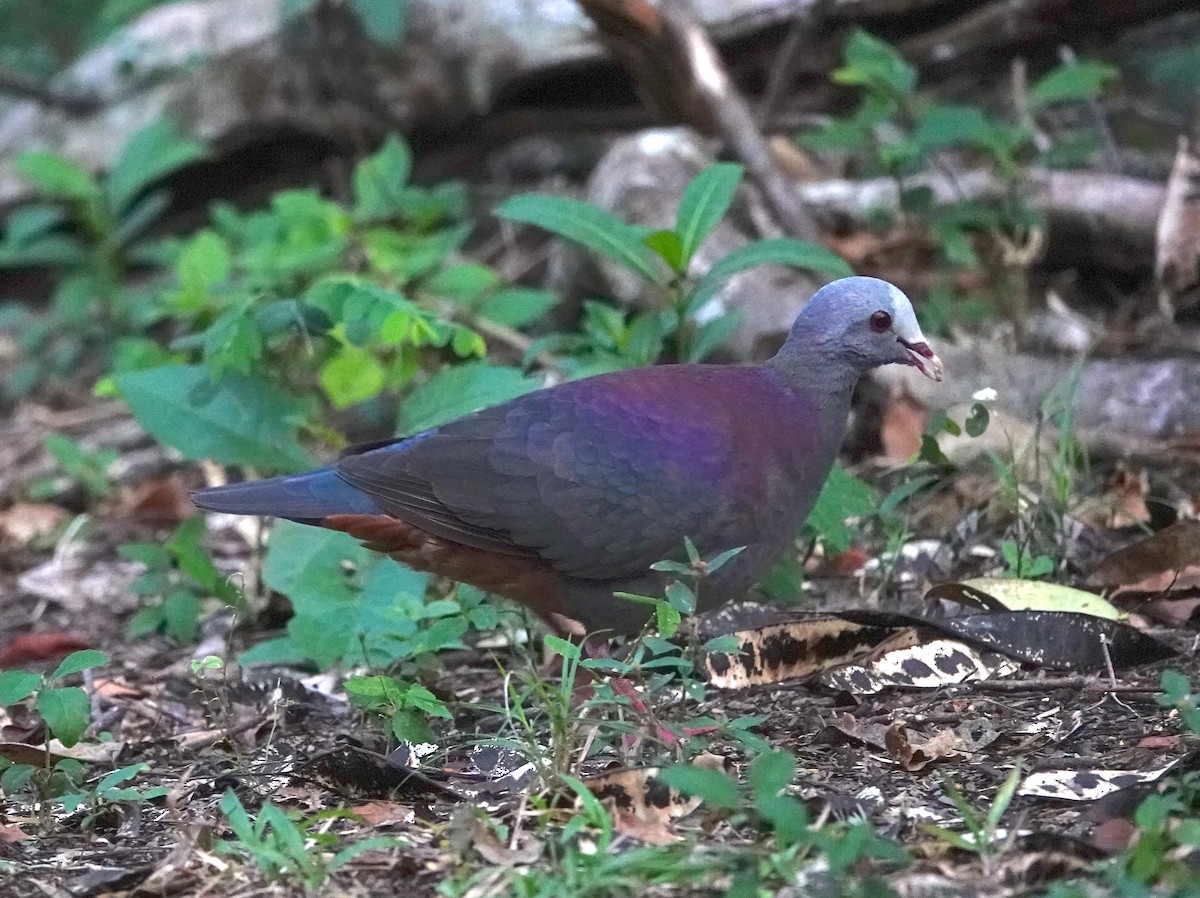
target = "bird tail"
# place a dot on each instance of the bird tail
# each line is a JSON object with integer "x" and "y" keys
{"x": 307, "y": 498}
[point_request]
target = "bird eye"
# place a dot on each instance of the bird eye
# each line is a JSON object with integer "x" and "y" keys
{"x": 881, "y": 321}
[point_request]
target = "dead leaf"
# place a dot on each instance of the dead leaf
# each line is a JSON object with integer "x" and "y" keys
{"x": 642, "y": 807}
{"x": 527, "y": 849}
{"x": 26, "y": 522}
{"x": 10, "y": 833}
{"x": 38, "y": 755}
{"x": 1154, "y": 564}
{"x": 160, "y": 500}
{"x": 914, "y": 756}
{"x": 1165, "y": 742}
{"x": 904, "y": 421}
{"x": 31, "y": 647}
{"x": 384, "y": 813}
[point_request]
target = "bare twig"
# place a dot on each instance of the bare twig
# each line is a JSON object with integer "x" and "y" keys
{"x": 18, "y": 85}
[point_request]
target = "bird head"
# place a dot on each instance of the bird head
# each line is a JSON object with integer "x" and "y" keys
{"x": 869, "y": 321}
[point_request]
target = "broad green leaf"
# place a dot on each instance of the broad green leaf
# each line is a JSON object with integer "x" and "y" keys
{"x": 517, "y": 306}
{"x": 460, "y": 389}
{"x": 28, "y": 223}
{"x": 16, "y": 685}
{"x": 77, "y": 661}
{"x": 148, "y": 155}
{"x": 66, "y": 711}
{"x": 705, "y": 200}
{"x": 589, "y": 226}
{"x": 1071, "y": 82}
{"x": 346, "y": 598}
{"x": 351, "y": 375}
{"x": 711, "y": 786}
{"x": 238, "y": 421}
{"x": 56, "y": 177}
{"x": 844, "y": 496}
{"x": 775, "y": 251}
{"x": 233, "y": 342}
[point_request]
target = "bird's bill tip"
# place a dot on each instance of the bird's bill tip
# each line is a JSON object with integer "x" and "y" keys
{"x": 924, "y": 359}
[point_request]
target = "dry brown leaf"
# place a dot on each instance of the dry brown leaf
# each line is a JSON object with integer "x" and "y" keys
{"x": 384, "y": 813}
{"x": 1154, "y": 564}
{"x": 642, "y": 807}
{"x": 10, "y": 832}
{"x": 914, "y": 756}
{"x": 25, "y": 522}
{"x": 904, "y": 421}
{"x": 161, "y": 500}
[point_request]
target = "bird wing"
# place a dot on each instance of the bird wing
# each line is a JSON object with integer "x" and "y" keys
{"x": 600, "y": 477}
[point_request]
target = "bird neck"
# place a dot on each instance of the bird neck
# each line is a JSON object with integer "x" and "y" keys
{"x": 819, "y": 370}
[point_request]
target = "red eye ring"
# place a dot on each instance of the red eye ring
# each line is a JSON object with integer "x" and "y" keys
{"x": 881, "y": 321}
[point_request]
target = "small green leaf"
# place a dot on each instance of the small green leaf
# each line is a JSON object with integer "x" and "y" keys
{"x": 66, "y": 712}
{"x": 844, "y": 496}
{"x": 57, "y": 177}
{"x": 563, "y": 647}
{"x": 871, "y": 62}
{"x": 351, "y": 375}
{"x": 712, "y": 334}
{"x": 463, "y": 283}
{"x": 148, "y": 155}
{"x": 681, "y": 597}
{"x": 16, "y": 685}
{"x": 705, "y": 201}
{"x": 977, "y": 421}
{"x": 380, "y": 180}
{"x": 667, "y": 619}
{"x": 77, "y": 661}
{"x": 776, "y": 251}
{"x": 669, "y": 248}
{"x": 771, "y": 773}
{"x": 517, "y": 306}
{"x": 711, "y": 786}
{"x": 1071, "y": 82}
{"x": 587, "y": 225}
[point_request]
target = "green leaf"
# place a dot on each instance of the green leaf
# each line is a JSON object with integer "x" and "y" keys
{"x": 1071, "y": 82}
{"x": 771, "y": 773}
{"x": 238, "y": 421}
{"x": 463, "y": 283}
{"x": 705, "y": 201}
{"x": 66, "y": 712}
{"x": 669, "y": 248}
{"x": 57, "y": 177}
{"x": 380, "y": 180}
{"x": 233, "y": 343}
{"x": 844, "y": 496}
{"x": 587, "y": 225}
{"x": 711, "y": 786}
{"x": 517, "y": 306}
{"x": 873, "y": 63}
{"x": 351, "y": 375}
{"x": 181, "y": 615}
{"x": 150, "y": 154}
{"x": 205, "y": 262}
{"x": 563, "y": 647}
{"x": 346, "y": 598}
{"x": 457, "y": 390}
{"x": 383, "y": 20}
{"x": 944, "y": 125}
{"x": 16, "y": 685}
{"x": 977, "y": 421}
{"x": 77, "y": 661}
{"x": 666, "y": 619}
{"x": 712, "y": 334}
{"x": 776, "y": 251}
